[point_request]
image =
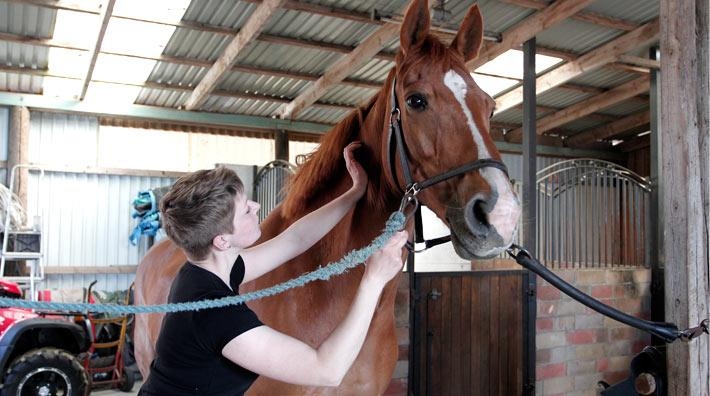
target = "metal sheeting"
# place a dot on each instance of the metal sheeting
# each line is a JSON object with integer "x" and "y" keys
{"x": 86, "y": 220}
{"x": 592, "y": 213}
{"x": 30, "y": 20}
{"x": 575, "y": 36}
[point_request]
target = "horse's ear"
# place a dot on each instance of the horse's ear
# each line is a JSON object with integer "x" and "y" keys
{"x": 415, "y": 26}
{"x": 470, "y": 35}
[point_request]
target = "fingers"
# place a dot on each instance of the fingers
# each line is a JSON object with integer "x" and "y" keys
{"x": 398, "y": 240}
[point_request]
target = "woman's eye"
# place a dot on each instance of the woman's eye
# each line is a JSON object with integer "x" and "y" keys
{"x": 416, "y": 102}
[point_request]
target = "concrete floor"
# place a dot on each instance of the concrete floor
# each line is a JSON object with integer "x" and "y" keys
{"x": 116, "y": 392}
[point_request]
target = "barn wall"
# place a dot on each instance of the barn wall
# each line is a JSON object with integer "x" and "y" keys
{"x": 93, "y": 173}
{"x": 576, "y": 346}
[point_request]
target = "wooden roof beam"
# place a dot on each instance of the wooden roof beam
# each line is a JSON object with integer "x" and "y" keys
{"x": 603, "y": 55}
{"x": 105, "y": 16}
{"x": 586, "y": 16}
{"x": 586, "y": 107}
{"x": 341, "y": 69}
{"x": 611, "y": 129}
{"x": 249, "y": 31}
{"x": 528, "y": 28}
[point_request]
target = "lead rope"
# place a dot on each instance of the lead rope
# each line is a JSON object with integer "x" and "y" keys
{"x": 668, "y": 332}
{"x": 350, "y": 260}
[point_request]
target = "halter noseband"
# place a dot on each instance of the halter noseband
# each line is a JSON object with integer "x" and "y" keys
{"x": 412, "y": 188}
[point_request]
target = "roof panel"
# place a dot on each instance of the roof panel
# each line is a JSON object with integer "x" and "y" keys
{"x": 561, "y": 98}
{"x": 576, "y": 36}
{"x": 27, "y": 19}
{"x": 25, "y": 83}
{"x": 227, "y": 13}
{"x": 604, "y": 77}
{"x": 639, "y": 11}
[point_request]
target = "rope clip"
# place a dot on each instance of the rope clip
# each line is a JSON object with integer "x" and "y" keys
{"x": 409, "y": 200}
{"x": 520, "y": 251}
{"x": 693, "y": 332}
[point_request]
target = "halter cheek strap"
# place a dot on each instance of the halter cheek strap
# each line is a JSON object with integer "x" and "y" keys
{"x": 412, "y": 187}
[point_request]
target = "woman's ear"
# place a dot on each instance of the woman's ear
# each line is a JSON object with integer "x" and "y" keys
{"x": 221, "y": 243}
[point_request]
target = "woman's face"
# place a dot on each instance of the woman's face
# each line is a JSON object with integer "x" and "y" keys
{"x": 246, "y": 222}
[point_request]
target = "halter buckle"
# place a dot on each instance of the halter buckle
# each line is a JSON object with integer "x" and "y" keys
{"x": 394, "y": 116}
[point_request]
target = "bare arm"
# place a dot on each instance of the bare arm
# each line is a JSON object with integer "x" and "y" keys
{"x": 309, "y": 229}
{"x": 267, "y": 352}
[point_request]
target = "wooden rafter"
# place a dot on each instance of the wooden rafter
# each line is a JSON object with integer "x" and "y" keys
{"x": 105, "y": 16}
{"x": 249, "y": 31}
{"x": 611, "y": 129}
{"x": 596, "y": 58}
{"x": 528, "y": 28}
{"x": 341, "y": 69}
{"x": 586, "y": 107}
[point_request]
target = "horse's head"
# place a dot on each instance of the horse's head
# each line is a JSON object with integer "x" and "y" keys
{"x": 445, "y": 124}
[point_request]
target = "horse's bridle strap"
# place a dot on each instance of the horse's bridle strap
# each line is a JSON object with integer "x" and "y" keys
{"x": 410, "y": 184}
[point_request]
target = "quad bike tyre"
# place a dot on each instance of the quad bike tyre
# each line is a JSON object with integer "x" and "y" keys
{"x": 128, "y": 379}
{"x": 46, "y": 371}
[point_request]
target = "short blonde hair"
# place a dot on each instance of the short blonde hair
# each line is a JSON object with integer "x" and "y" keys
{"x": 198, "y": 207}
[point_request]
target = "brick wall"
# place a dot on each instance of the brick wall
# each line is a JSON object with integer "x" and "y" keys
{"x": 576, "y": 346}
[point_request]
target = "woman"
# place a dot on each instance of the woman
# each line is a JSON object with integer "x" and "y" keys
{"x": 222, "y": 351}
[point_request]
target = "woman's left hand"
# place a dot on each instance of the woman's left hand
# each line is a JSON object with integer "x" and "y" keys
{"x": 357, "y": 172}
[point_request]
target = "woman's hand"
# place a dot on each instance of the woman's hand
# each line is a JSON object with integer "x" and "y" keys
{"x": 386, "y": 263}
{"x": 357, "y": 172}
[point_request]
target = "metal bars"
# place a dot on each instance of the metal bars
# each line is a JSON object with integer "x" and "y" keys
{"x": 592, "y": 214}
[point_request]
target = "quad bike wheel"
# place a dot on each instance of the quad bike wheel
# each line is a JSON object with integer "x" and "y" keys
{"x": 46, "y": 372}
{"x": 128, "y": 379}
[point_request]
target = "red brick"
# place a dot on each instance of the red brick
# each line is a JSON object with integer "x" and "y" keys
{"x": 551, "y": 371}
{"x": 397, "y": 387}
{"x": 548, "y": 293}
{"x": 602, "y": 291}
{"x": 582, "y": 337}
{"x": 544, "y": 324}
{"x": 623, "y": 333}
{"x": 602, "y": 364}
{"x": 403, "y": 352}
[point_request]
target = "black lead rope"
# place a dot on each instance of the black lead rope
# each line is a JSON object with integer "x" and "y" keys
{"x": 668, "y": 332}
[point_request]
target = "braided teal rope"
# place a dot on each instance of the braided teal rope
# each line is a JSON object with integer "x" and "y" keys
{"x": 350, "y": 260}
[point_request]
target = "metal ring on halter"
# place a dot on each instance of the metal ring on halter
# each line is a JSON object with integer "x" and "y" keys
{"x": 520, "y": 249}
{"x": 396, "y": 114}
{"x": 408, "y": 200}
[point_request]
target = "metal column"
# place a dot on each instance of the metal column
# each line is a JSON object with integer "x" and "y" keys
{"x": 529, "y": 212}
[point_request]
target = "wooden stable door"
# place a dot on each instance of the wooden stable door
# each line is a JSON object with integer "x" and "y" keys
{"x": 468, "y": 334}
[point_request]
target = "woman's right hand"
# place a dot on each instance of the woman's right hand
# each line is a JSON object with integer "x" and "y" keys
{"x": 387, "y": 262}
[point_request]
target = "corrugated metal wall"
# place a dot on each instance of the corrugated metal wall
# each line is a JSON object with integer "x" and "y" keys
{"x": 86, "y": 223}
{"x": 86, "y": 218}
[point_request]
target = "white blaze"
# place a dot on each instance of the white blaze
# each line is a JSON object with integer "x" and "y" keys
{"x": 504, "y": 216}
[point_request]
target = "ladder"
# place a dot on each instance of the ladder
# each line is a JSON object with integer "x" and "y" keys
{"x": 27, "y": 242}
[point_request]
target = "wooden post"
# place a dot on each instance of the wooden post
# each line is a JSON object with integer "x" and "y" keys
{"x": 17, "y": 152}
{"x": 281, "y": 144}
{"x": 685, "y": 153}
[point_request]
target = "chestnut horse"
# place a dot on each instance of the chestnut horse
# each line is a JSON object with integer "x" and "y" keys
{"x": 445, "y": 123}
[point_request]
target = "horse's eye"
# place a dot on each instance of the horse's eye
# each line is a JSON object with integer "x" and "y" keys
{"x": 416, "y": 102}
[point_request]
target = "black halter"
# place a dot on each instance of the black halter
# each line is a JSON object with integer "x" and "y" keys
{"x": 412, "y": 188}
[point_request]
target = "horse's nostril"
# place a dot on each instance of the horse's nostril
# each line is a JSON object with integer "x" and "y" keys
{"x": 478, "y": 219}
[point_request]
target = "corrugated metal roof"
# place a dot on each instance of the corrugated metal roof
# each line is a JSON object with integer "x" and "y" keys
{"x": 301, "y": 42}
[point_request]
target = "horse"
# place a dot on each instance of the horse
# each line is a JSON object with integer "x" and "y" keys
{"x": 442, "y": 125}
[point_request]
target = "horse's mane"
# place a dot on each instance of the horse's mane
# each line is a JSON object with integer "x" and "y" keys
{"x": 324, "y": 166}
